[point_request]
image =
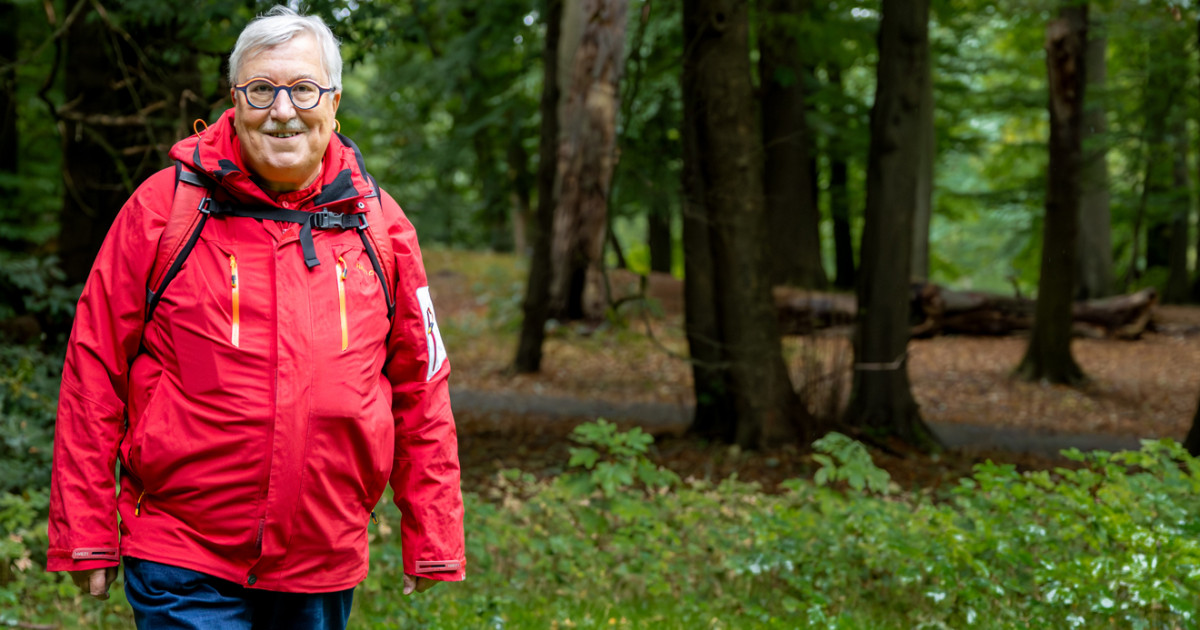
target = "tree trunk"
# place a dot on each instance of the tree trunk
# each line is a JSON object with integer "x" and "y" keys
{"x": 1095, "y": 278}
{"x": 1192, "y": 441}
{"x": 839, "y": 197}
{"x": 881, "y": 400}
{"x": 8, "y": 89}
{"x": 520, "y": 183}
{"x": 723, "y": 178}
{"x": 586, "y": 153}
{"x": 9, "y": 145}
{"x": 1177, "y": 291}
{"x": 793, "y": 218}
{"x": 659, "y": 239}
{"x": 537, "y": 292}
{"x": 119, "y": 121}
{"x": 1049, "y": 354}
{"x": 1196, "y": 282}
{"x": 495, "y": 212}
{"x": 923, "y": 213}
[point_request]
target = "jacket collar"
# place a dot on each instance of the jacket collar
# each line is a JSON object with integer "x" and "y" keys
{"x": 216, "y": 152}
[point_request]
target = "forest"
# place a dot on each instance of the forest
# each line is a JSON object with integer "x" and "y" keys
{"x": 762, "y": 314}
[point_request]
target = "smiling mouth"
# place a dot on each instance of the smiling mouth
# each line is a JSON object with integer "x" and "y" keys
{"x": 284, "y": 135}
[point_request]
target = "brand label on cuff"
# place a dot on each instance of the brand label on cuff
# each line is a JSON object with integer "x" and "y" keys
{"x": 102, "y": 553}
{"x": 434, "y": 566}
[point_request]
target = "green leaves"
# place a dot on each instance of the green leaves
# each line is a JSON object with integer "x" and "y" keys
{"x": 617, "y": 460}
{"x": 853, "y": 465}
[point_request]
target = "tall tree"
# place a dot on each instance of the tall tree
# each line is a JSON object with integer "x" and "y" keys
{"x": 793, "y": 218}
{"x": 9, "y": 146}
{"x": 1196, "y": 282}
{"x": 1095, "y": 278}
{"x": 839, "y": 194}
{"x": 743, "y": 391}
{"x": 923, "y": 211}
{"x": 1164, "y": 117}
{"x": 881, "y": 400}
{"x": 1049, "y": 354}
{"x": 1192, "y": 441}
{"x": 1177, "y": 290}
{"x": 131, "y": 90}
{"x": 537, "y": 291}
{"x": 658, "y": 239}
{"x": 586, "y": 153}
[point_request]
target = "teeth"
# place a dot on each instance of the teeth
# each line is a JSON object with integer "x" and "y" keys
{"x": 284, "y": 135}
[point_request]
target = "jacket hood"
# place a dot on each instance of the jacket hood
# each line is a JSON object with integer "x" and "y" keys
{"x": 216, "y": 152}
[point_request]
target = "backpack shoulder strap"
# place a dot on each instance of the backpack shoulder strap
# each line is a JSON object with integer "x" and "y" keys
{"x": 378, "y": 246}
{"x": 189, "y": 212}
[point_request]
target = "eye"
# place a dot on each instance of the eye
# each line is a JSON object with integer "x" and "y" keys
{"x": 261, "y": 88}
{"x": 304, "y": 89}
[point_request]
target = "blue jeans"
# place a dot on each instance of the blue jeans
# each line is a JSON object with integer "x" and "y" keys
{"x": 167, "y": 597}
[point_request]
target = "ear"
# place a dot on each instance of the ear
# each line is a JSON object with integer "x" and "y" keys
{"x": 233, "y": 95}
{"x": 337, "y": 99}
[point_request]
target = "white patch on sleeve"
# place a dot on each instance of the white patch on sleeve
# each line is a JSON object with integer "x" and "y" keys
{"x": 433, "y": 335}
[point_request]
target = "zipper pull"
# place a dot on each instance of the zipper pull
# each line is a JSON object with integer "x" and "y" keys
{"x": 137, "y": 508}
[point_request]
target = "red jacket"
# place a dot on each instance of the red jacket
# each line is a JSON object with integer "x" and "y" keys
{"x": 261, "y": 412}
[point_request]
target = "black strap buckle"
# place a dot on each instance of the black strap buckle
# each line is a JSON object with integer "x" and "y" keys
{"x": 325, "y": 220}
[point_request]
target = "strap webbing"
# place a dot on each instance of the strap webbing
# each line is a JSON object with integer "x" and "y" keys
{"x": 323, "y": 220}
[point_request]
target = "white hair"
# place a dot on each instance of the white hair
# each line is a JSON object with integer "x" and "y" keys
{"x": 280, "y": 25}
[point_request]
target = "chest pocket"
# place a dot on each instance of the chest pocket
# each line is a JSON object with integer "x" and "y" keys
{"x": 205, "y": 316}
{"x": 350, "y": 322}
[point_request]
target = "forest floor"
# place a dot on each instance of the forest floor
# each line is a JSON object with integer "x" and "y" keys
{"x": 633, "y": 373}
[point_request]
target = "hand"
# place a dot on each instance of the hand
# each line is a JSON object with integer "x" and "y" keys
{"x": 95, "y": 582}
{"x": 418, "y": 584}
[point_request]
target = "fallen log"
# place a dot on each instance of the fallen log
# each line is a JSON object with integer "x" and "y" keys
{"x": 936, "y": 310}
{"x": 933, "y": 309}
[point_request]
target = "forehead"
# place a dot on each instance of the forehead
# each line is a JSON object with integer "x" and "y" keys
{"x": 297, "y": 58}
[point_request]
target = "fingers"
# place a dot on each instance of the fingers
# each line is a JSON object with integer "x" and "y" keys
{"x": 417, "y": 584}
{"x": 98, "y": 583}
{"x": 410, "y": 584}
{"x": 81, "y": 578}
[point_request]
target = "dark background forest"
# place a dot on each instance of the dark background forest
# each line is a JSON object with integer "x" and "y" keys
{"x": 730, "y": 223}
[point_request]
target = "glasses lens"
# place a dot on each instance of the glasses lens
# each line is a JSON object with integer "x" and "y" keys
{"x": 305, "y": 94}
{"x": 260, "y": 93}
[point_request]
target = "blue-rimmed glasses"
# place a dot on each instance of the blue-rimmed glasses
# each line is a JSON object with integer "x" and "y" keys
{"x": 261, "y": 93}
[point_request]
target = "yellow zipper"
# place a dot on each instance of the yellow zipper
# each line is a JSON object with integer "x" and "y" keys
{"x": 341, "y": 280}
{"x": 233, "y": 280}
{"x": 137, "y": 508}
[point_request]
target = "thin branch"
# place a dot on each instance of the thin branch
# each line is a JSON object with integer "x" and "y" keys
{"x": 54, "y": 37}
{"x": 140, "y": 119}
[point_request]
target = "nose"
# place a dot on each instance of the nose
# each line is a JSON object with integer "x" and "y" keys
{"x": 283, "y": 108}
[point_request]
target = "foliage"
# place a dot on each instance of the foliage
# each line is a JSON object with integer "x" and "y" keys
{"x": 34, "y": 286}
{"x": 853, "y": 465}
{"x": 619, "y": 542}
{"x": 1111, "y": 544}
{"x": 28, "y": 397}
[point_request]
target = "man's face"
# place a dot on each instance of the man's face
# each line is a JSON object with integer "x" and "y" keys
{"x": 282, "y": 145}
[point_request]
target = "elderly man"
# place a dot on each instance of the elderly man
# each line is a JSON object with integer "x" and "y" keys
{"x": 260, "y": 402}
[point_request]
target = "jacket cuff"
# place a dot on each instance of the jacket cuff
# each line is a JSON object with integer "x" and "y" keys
{"x": 82, "y": 559}
{"x": 439, "y": 570}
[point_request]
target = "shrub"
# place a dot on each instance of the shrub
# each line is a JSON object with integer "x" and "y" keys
{"x": 619, "y": 542}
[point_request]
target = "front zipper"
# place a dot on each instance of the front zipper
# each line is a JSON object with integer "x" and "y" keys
{"x": 233, "y": 281}
{"x": 341, "y": 280}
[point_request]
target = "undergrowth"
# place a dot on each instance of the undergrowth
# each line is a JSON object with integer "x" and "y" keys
{"x": 617, "y": 541}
